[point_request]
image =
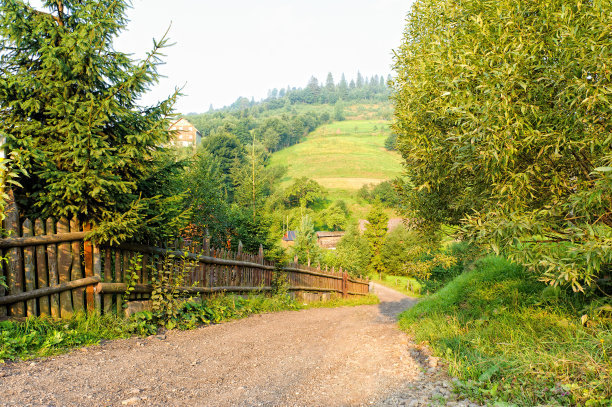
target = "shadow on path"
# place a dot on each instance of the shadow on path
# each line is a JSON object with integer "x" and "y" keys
{"x": 392, "y": 302}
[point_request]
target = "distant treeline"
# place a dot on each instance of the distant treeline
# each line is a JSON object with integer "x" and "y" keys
{"x": 286, "y": 116}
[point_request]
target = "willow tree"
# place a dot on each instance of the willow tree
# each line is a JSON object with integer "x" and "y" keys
{"x": 504, "y": 117}
{"x": 69, "y": 112}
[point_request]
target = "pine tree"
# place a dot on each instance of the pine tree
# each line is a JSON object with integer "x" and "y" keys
{"x": 343, "y": 88}
{"x": 68, "y": 110}
{"x": 329, "y": 82}
{"x": 360, "y": 81}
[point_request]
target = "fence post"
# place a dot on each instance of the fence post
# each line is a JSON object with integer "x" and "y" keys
{"x": 15, "y": 260}
{"x": 89, "y": 272}
{"x": 261, "y": 254}
{"x": 344, "y": 283}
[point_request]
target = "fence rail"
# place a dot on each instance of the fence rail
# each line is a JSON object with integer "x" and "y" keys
{"x": 53, "y": 270}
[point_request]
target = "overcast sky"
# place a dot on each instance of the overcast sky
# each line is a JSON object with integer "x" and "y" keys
{"x": 226, "y": 49}
{"x": 230, "y": 48}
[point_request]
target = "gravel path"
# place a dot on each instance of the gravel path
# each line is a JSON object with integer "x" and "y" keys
{"x": 348, "y": 356}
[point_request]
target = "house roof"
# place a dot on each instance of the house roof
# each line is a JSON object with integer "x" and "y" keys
{"x": 289, "y": 236}
{"x": 325, "y": 233}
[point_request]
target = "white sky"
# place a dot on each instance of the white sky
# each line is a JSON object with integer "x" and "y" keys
{"x": 230, "y": 48}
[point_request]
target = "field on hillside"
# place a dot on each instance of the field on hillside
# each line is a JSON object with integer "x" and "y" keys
{"x": 342, "y": 157}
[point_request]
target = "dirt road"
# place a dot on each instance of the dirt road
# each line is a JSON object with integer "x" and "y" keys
{"x": 347, "y": 356}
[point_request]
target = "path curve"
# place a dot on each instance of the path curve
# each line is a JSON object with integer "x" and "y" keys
{"x": 348, "y": 356}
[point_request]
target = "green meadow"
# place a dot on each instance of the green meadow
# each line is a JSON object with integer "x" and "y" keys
{"x": 342, "y": 157}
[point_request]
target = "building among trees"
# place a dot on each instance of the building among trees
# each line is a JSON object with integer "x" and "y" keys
{"x": 185, "y": 134}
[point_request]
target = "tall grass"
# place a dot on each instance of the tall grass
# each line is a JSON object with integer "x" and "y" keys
{"x": 508, "y": 339}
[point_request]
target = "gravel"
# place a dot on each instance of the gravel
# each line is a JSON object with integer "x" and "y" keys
{"x": 348, "y": 356}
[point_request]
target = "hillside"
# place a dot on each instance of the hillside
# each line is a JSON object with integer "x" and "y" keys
{"x": 342, "y": 157}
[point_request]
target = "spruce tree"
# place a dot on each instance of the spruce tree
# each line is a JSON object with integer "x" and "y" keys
{"x": 69, "y": 112}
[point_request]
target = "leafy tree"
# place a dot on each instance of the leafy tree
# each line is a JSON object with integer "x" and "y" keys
{"x": 69, "y": 111}
{"x": 391, "y": 142}
{"x": 303, "y": 192}
{"x": 339, "y": 111}
{"x": 503, "y": 116}
{"x": 352, "y": 252}
{"x": 306, "y": 247}
{"x": 375, "y": 232}
{"x": 335, "y": 215}
{"x": 400, "y": 247}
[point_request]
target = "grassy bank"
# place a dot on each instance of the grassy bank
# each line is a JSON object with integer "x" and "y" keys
{"x": 511, "y": 339}
{"x": 406, "y": 285}
{"x": 39, "y": 337}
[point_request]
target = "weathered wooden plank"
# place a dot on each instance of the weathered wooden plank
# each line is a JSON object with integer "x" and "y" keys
{"x": 88, "y": 256}
{"x": 147, "y": 288}
{"x": 14, "y": 275}
{"x": 41, "y": 240}
{"x": 53, "y": 273}
{"x": 64, "y": 262}
{"x": 29, "y": 254}
{"x": 42, "y": 292}
{"x": 78, "y": 294}
{"x": 42, "y": 273}
{"x": 108, "y": 277}
{"x": 118, "y": 279}
{"x": 97, "y": 270}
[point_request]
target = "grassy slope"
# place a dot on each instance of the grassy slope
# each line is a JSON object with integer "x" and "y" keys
{"x": 343, "y": 156}
{"x": 508, "y": 341}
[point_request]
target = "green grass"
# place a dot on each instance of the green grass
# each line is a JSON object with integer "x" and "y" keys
{"x": 401, "y": 284}
{"x": 342, "y": 157}
{"x": 508, "y": 340}
{"x": 343, "y": 302}
{"x": 40, "y": 337}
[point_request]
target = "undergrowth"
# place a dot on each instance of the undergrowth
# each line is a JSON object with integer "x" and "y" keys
{"x": 512, "y": 340}
{"x": 42, "y": 336}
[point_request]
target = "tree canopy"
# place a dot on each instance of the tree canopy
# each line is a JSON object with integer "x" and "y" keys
{"x": 504, "y": 121}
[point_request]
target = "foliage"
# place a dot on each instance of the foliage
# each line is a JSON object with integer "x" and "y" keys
{"x": 375, "y": 232}
{"x": 131, "y": 276}
{"x": 306, "y": 248}
{"x": 509, "y": 340}
{"x": 383, "y": 192}
{"x": 335, "y": 215}
{"x": 168, "y": 280}
{"x": 391, "y": 142}
{"x": 42, "y": 336}
{"x": 352, "y": 253}
{"x": 68, "y": 108}
{"x": 503, "y": 119}
{"x": 303, "y": 192}
{"x": 398, "y": 250}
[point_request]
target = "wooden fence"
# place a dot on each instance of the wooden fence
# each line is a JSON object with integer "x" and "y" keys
{"x": 52, "y": 270}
